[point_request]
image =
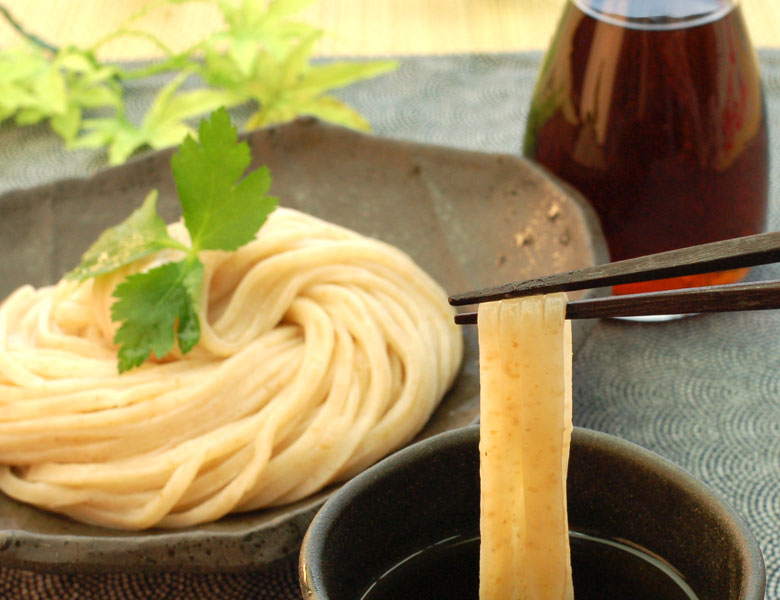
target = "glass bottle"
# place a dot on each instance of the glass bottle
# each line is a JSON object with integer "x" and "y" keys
{"x": 654, "y": 110}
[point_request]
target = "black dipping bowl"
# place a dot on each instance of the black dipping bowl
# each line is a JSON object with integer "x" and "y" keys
{"x": 430, "y": 491}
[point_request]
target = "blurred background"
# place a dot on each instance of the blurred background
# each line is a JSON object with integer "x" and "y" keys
{"x": 356, "y": 27}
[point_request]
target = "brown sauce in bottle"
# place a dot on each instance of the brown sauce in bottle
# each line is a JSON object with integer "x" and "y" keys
{"x": 659, "y": 122}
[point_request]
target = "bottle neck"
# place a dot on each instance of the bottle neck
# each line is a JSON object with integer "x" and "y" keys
{"x": 656, "y": 14}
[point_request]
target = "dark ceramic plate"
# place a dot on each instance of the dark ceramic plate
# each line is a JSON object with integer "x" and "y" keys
{"x": 470, "y": 219}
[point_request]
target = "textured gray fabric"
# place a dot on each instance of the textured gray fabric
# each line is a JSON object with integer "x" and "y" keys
{"x": 702, "y": 391}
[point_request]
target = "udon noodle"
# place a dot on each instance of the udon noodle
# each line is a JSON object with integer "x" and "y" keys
{"x": 321, "y": 351}
{"x": 525, "y": 433}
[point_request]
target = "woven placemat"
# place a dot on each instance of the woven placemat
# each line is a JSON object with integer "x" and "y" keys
{"x": 275, "y": 582}
{"x": 703, "y": 391}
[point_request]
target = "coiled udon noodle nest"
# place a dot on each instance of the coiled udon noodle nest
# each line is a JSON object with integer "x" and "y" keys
{"x": 321, "y": 351}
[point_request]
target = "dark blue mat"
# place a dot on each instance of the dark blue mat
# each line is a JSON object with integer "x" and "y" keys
{"x": 702, "y": 391}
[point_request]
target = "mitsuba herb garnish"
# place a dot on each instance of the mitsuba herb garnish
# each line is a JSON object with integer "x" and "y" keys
{"x": 222, "y": 210}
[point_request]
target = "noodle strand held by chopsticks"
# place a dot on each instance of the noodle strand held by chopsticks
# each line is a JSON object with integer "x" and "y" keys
{"x": 525, "y": 431}
{"x": 321, "y": 351}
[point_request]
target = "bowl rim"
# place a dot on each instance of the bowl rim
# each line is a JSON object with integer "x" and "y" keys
{"x": 312, "y": 577}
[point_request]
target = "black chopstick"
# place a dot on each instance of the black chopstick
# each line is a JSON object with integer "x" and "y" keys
{"x": 759, "y": 295}
{"x": 735, "y": 253}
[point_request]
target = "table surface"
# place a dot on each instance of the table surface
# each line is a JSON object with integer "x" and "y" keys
{"x": 357, "y": 27}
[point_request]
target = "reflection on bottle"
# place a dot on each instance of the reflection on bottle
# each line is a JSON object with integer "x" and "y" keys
{"x": 653, "y": 109}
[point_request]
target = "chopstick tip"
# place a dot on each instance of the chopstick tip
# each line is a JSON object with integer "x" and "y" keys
{"x": 468, "y": 318}
{"x": 455, "y": 300}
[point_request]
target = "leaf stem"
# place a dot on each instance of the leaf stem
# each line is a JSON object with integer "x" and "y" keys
{"x": 125, "y": 27}
{"x": 177, "y": 245}
{"x": 125, "y": 32}
{"x": 136, "y": 16}
{"x": 26, "y": 34}
{"x": 172, "y": 63}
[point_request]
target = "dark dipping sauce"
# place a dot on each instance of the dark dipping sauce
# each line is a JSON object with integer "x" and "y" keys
{"x": 602, "y": 570}
{"x": 653, "y": 110}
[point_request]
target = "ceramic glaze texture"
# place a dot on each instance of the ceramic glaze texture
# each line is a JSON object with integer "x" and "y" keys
{"x": 470, "y": 219}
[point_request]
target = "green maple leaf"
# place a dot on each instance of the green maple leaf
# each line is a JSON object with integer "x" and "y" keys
{"x": 164, "y": 124}
{"x": 265, "y": 57}
{"x": 36, "y": 86}
{"x": 293, "y": 86}
{"x": 255, "y": 26}
{"x": 262, "y": 55}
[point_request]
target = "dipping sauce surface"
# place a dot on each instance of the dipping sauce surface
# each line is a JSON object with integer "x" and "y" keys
{"x": 603, "y": 570}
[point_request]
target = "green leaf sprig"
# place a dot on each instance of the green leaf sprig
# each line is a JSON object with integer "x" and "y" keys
{"x": 262, "y": 57}
{"x": 221, "y": 209}
{"x": 37, "y": 86}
